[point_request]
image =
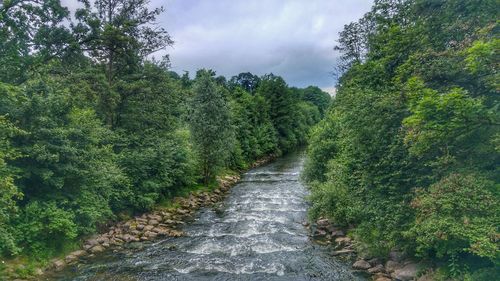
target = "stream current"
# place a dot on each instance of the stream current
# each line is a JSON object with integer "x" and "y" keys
{"x": 257, "y": 234}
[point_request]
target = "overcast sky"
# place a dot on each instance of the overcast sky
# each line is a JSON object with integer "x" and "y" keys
{"x": 291, "y": 38}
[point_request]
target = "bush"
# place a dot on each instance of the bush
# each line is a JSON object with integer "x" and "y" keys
{"x": 44, "y": 227}
{"x": 455, "y": 215}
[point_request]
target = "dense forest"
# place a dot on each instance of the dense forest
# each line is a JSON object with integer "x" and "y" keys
{"x": 408, "y": 154}
{"x": 93, "y": 128}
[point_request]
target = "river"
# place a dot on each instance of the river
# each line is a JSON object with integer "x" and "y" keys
{"x": 257, "y": 234}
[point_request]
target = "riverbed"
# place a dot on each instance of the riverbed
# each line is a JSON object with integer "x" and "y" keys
{"x": 256, "y": 233}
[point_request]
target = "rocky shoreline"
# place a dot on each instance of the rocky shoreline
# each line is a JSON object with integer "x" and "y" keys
{"x": 162, "y": 222}
{"x": 396, "y": 266}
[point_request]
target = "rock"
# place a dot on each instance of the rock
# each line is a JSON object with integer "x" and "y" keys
{"x": 343, "y": 240}
{"x": 59, "y": 265}
{"x": 155, "y": 217}
{"x": 407, "y": 272}
{"x": 396, "y": 255}
{"x": 153, "y": 222}
{"x": 169, "y": 221}
{"x": 342, "y": 252}
{"x": 103, "y": 239}
{"x": 105, "y": 245}
{"x": 305, "y": 223}
{"x": 338, "y": 233}
{"x": 391, "y": 266}
{"x": 96, "y": 249}
{"x": 319, "y": 233}
{"x": 376, "y": 269}
{"x": 148, "y": 228}
{"x": 159, "y": 230}
{"x": 150, "y": 234}
{"x": 79, "y": 253}
{"x": 139, "y": 227}
{"x": 70, "y": 258}
{"x": 361, "y": 264}
{"x": 38, "y": 272}
{"x": 175, "y": 233}
{"x": 322, "y": 222}
{"x": 374, "y": 261}
{"x": 92, "y": 242}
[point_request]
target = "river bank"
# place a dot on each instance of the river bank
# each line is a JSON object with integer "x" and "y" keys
{"x": 395, "y": 267}
{"x": 163, "y": 221}
{"x": 255, "y": 233}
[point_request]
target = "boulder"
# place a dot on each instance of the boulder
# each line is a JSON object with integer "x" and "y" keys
{"x": 58, "y": 265}
{"x": 153, "y": 222}
{"x": 342, "y": 252}
{"x": 376, "y": 269}
{"x": 391, "y": 266}
{"x": 175, "y": 233}
{"x": 322, "y": 222}
{"x": 319, "y": 233}
{"x": 382, "y": 278}
{"x": 148, "y": 227}
{"x": 70, "y": 258}
{"x": 150, "y": 234}
{"x": 96, "y": 249}
{"x": 139, "y": 227}
{"x": 338, "y": 233}
{"x": 407, "y": 272}
{"x": 343, "y": 240}
{"x": 155, "y": 217}
{"x": 92, "y": 242}
{"x": 103, "y": 239}
{"x": 361, "y": 264}
{"x": 38, "y": 272}
{"x": 79, "y": 253}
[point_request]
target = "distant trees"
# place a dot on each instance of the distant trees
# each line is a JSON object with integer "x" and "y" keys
{"x": 408, "y": 151}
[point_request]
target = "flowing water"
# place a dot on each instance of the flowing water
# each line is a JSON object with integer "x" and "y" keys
{"x": 256, "y": 235}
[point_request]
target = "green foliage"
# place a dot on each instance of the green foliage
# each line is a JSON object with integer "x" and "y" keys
{"x": 415, "y": 109}
{"x": 91, "y": 129}
{"x": 45, "y": 227}
{"x": 8, "y": 190}
{"x": 457, "y": 214}
{"x": 210, "y": 124}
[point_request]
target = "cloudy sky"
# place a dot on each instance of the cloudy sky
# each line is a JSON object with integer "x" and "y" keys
{"x": 291, "y": 38}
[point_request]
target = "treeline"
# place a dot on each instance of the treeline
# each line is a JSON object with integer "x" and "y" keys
{"x": 408, "y": 154}
{"x": 91, "y": 128}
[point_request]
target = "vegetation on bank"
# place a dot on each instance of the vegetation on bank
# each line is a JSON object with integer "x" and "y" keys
{"x": 409, "y": 151}
{"x": 91, "y": 128}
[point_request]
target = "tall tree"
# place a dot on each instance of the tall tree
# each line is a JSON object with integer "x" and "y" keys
{"x": 210, "y": 124}
{"x": 119, "y": 33}
{"x": 31, "y": 32}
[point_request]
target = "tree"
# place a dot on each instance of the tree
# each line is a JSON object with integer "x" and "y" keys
{"x": 119, "y": 33}
{"x": 31, "y": 33}
{"x": 246, "y": 80}
{"x": 210, "y": 124}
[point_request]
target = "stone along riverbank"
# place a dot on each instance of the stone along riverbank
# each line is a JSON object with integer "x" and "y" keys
{"x": 255, "y": 233}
